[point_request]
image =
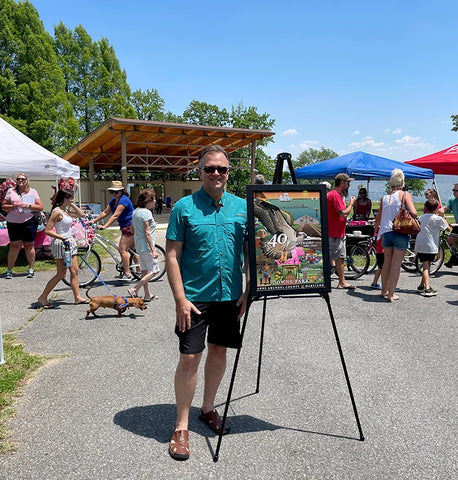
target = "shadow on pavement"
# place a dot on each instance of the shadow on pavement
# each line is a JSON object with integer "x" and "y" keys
{"x": 155, "y": 421}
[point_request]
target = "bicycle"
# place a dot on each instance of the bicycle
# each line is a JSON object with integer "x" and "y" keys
{"x": 370, "y": 246}
{"x": 356, "y": 262}
{"x": 440, "y": 257}
{"x": 412, "y": 264}
{"x": 90, "y": 263}
{"x": 409, "y": 261}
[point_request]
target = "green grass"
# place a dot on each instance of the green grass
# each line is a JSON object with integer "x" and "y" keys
{"x": 14, "y": 373}
{"x": 19, "y": 365}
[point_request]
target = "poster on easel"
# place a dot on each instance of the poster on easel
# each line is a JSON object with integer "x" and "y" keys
{"x": 288, "y": 239}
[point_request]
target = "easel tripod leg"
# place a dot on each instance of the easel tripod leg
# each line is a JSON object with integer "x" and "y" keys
{"x": 264, "y": 307}
{"x": 342, "y": 359}
{"x": 231, "y": 385}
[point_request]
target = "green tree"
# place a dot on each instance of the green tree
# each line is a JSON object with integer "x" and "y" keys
{"x": 201, "y": 113}
{"x": 313, "y": 155}
{"x": 455, "y": 123}
{"x": 32, "y": 87}
{"x": 96, "y": 85}
{"x": 248, "y": 117}
{"x": 309, "y": 157}
{"x": 413, "y": 185}
{"x": 148, "y": 105}
{"x": 114, "y": 91}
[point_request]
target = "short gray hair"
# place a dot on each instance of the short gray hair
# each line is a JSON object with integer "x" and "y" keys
{"x": 213, "y": 148}
{"x": 259, "y": 179}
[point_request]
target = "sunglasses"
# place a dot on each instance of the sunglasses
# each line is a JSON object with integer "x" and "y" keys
{"x": 21, "y": 179}
{"x": 221, "y": 170}
{"x": 454, "y": 190}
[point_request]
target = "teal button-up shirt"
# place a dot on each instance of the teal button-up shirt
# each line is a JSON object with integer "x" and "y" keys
{"x": 213, "y": 237}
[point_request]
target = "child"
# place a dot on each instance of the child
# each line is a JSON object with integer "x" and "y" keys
{"x": 427, "y": 243}
{"x": 380, "y": 255}
{"x": 144, "y": 228}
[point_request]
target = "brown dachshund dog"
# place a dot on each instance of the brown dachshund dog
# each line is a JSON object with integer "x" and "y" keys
{"x": 118, "y": 302}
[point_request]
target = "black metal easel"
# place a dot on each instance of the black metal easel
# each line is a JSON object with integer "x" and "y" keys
{"x": 277, "y": 180}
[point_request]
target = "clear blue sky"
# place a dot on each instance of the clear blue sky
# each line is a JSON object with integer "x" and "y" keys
{"x": 379, "y": 76}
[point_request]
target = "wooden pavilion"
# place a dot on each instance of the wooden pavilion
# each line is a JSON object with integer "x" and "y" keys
{"x": 125, "y": 144}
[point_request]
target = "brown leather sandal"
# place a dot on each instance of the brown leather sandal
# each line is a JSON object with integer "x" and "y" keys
{"x": 179, "y": 445}
{"x": 214, "y": 421}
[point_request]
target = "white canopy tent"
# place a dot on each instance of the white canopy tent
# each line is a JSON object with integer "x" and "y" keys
{"x": 19, "y": 153}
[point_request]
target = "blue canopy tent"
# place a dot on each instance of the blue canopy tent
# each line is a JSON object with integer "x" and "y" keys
{"x": 361, "y": 166}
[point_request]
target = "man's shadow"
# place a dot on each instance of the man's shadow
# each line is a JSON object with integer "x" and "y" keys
{"x": 156, "y": 421}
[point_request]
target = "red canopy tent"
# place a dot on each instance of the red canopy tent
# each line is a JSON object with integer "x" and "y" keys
{"x": 444, "y": 162}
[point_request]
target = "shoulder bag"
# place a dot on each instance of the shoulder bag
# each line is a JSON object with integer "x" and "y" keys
{"x": 404, "y": 222}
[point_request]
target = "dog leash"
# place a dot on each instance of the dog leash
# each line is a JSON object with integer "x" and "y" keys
{"x": 124, "y": 305}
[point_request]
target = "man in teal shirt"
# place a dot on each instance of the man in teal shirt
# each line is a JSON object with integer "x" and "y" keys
{"x": 452, "y": 206}
{"x": 206, "y": 242}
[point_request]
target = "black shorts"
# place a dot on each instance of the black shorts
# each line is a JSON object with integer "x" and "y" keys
{"x": 427, "y": 257}
{"x": 223, "y": 327}
{"x": 26, "y": 231}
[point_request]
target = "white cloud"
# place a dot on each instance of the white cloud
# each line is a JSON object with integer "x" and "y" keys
{"x": 397, "y": 131}
{"x": 365, "y": 142}
{"x": 306, "y": 144}
{"x": 408, "y": 141}
{"x": 356, "y": 132}
{"x": 289, "y": 132}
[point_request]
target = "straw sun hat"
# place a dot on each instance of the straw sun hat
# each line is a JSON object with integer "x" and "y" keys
{"x": 115, "y": 186}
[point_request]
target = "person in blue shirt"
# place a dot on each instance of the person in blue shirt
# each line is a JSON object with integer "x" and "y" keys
{"x": 121, "y": 209}
{"x": 206, "y": 246}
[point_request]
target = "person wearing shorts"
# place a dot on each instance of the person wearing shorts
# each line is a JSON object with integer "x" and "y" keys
{"x": 206, "y": 243}
{"x": 427, "y": 243}
{"x": 121, "y": 209}
{"x": 21, "y": 204}
{"x": 395, "y": 244}
{"x": 144, "y": 231}
{"x": 337, "y": 221}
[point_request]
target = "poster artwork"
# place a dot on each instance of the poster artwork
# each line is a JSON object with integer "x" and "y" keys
{"x": 288, "y": 245}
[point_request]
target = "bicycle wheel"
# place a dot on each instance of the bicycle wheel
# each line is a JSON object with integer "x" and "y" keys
{"x": 409, "y": 261}
{"x": 136, "y": 271}
{"x": 435, "y": 265}
{"x": 89, "y": 266}
{"x": 369, "y": 246}
{"x": 357, "y": 262}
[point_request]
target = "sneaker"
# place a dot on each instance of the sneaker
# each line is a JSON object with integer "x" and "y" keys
{"x": 449, "y": 264}
{"x": 9, "y": 275}
{"x": 430, "y": 292}
{"x": 126, "y": 278}
{"x": 30, "y": 273}
{"x": 376, "y": 286}
{"x": 421, "y": 289}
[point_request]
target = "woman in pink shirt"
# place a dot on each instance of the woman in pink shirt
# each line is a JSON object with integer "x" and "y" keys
{"x": 21, "y": 202}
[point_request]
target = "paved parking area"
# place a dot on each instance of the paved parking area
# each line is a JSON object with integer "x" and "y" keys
{"x": 104, "y": 408}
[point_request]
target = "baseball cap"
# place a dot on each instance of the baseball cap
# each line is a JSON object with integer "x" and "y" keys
{"x": 343, "y": 177}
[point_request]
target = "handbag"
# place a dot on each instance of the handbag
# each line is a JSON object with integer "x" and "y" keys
{"x": 404, "y": 222}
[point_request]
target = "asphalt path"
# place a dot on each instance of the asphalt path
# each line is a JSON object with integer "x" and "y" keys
{"x": 103, "y": 408}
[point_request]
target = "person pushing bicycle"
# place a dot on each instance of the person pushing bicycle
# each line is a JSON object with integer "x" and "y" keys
{"x": 121, "y": 209}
